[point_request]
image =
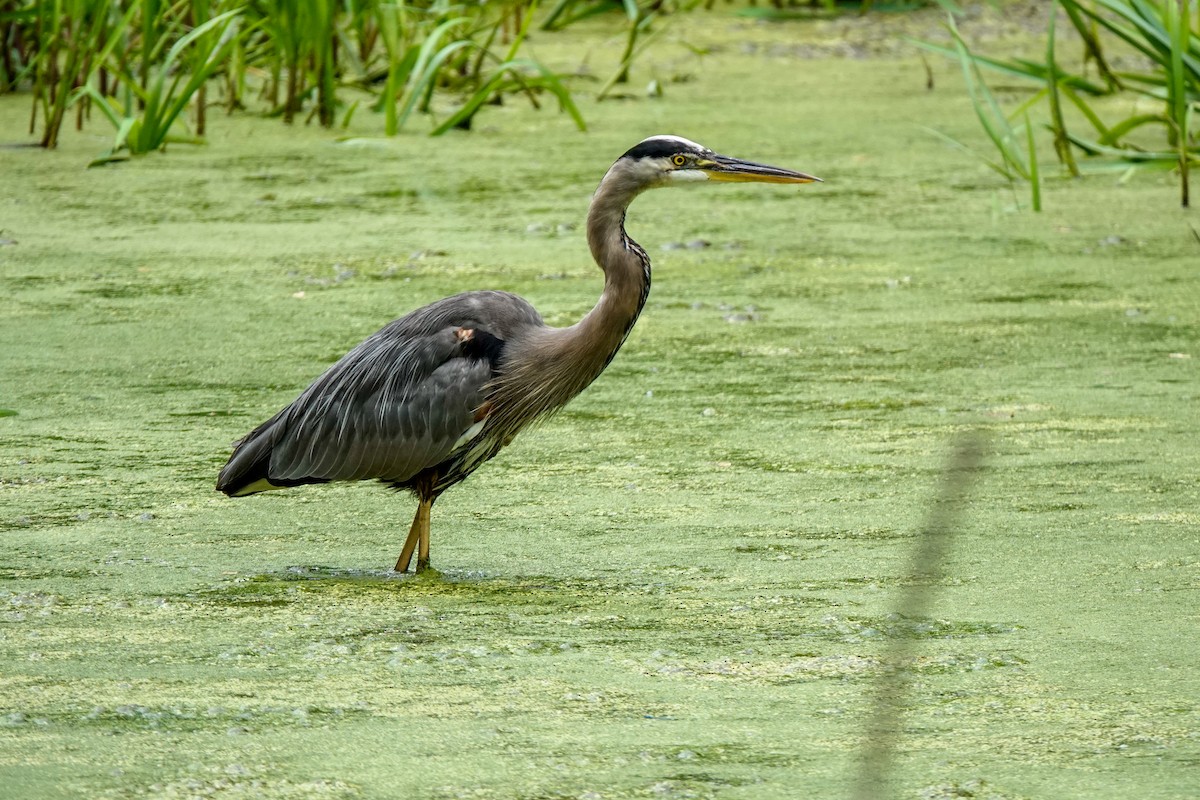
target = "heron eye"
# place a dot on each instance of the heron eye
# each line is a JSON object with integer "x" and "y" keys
{"x": 678, "y": 161}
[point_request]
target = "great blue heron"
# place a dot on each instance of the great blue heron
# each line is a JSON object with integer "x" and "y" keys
{"x": 433, "y": 395}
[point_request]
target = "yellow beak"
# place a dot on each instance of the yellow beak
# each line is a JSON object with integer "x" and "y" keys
{"x": 734, "y": 170}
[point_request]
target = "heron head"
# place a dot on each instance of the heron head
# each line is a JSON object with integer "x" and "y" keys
{"x": 670, "y": 160}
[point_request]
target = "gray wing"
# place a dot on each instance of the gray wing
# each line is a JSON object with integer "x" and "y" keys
{"x": 371, "y": 420}
{"x": 397, "y": 403}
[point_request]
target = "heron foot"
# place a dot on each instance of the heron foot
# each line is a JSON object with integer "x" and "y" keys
{"x": 423, "y": 568}
{"x": 428, "y": 575}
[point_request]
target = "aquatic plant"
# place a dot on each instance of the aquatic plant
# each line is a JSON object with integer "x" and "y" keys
{"x": 143, "y": 63}
{"x": 165, "y": 89}
{"x": 1014, "y": 142}
{"x": 1163, "y": 33}
{"x": 787, "y": 9}
{"x": 641, "y": 28}
{"x": 68, "y": 39}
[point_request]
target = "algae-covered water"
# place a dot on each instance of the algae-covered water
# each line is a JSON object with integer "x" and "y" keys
{"x": 683, "y": 585}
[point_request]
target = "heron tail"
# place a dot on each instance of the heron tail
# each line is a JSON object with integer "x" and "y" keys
{"x": 248, "y": 469}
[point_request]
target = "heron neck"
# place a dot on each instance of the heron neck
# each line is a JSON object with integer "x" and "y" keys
{"x": 556, "y": 364}
{"x": 626, "y": 269}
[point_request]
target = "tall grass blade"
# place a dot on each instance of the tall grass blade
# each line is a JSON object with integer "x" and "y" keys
{"x": 1178, "y": 24}
{"x": 634, "y": 48}
{"x": 510, "y": 70}
{"x": 1148, "y": 33}
{"x": 522, "y": 33}
{"x": 1035, "y": 178}
{"x": 1084, "y": 109}
{"x": 1018, "y": 68}
{"x": 550, "y": 23}
{"x": 1062, "y": 145}
{"x": 1123, "y": 153}
{"x": 1091, "y": 42}
{"x": 1114, "y": 134}
{"x": 987, "y": 110}
{"x": 164, "y": 103}
{"x": 169, "y": 88}
{"x": 77, "y": 30}
{"x": 423, "y": 75}
{"x": 998, "y": 166}
{"x": 568, "y": 12}
{"x": 416, "y": 70}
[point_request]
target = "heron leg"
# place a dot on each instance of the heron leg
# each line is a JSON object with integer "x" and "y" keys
{"x": 418, "y": 539}
{"x": 410, "y": 544}
{"x": 423, "y": 547}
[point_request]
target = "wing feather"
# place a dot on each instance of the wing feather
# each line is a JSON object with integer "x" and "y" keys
{"x": 393, "y": 406}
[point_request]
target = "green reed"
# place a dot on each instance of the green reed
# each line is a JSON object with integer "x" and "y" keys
{"x": 164, "y": 90}
{"x": 1013, "y": 142}
{"x": 1165, "y": 35}
{"x": 147, "y": 65}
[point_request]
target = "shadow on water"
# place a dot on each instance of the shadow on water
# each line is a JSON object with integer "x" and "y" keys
{"x": 884, "y": 728}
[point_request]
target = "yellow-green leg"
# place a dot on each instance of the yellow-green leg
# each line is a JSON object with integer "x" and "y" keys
{"x": 418, "y": 539}
{"x": 423, "y": 547}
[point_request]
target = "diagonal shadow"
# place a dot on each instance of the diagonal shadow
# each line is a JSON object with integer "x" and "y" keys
{"x": 885, "y": 723}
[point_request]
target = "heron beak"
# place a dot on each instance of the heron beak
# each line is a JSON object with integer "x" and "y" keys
{"x": 734, "y": 170}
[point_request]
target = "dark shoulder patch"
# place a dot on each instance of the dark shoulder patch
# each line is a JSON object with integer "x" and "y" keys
{"x": 480, "y": 344}
{"x": 661, "y": 147}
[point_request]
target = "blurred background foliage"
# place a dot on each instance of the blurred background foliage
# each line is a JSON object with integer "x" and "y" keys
{"x": 143, "y": 63}
{"x": 1157, "y": 43}
{"x": 155, "y": 68}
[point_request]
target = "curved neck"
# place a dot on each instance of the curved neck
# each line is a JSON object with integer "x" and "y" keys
{"x": 555, "y": 364}
{"x": 625, "y": 264}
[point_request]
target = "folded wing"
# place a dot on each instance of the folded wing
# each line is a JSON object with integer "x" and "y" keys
{"x": 398, "y": 403}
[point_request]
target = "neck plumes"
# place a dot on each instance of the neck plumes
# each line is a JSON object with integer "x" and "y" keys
{"x": 626, "y": 273}
{"x": 556, "y": 364}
